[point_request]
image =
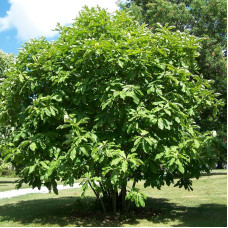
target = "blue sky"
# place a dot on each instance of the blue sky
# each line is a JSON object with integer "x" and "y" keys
{"x": 21, "y": 20}
{"x": 8, "y": 41}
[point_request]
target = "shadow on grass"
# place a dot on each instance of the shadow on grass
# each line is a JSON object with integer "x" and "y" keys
{"x": 213, "y": 174}
{"x": 74, "y": 211}
{"x": 8, "y": 182}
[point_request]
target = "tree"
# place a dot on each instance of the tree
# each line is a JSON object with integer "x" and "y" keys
{"x": 5, "y": 62}
{"x": 201, "y": 18}
{"x": 109, "y": 102}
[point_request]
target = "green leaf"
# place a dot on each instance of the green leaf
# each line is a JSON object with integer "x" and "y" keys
{"x": 107, "y": 103}
{"x": 145, "y": 146}
{"x": 32, "y": 168}
{"x": 73, "y": 154}
{"x": 121, "y": 153}
{"x": 52, "y": 111}
{"x": 114, "y": 177}
{"x": 48, "y": 113}
{"x": 116, "y": 161}
{"x": 63, "y": 126}
{"x": 172, "y": 161}
{"x": 191, "y": 112}
{"x": 84, "y": 151}
{"x": 149, "y": 141}
{"x": 44, "y": 165}
{"x": 181, "y": 168}
{"x": 167, "y": 111}
{"x": 33, "y": 146}
{"x": 135, "y": 98}
{"x": 197, "y": 144}
{"x": 42, "y": 114}
{"x": 124, "y": 166}
{"x": 57, "y": 98}
{"x": 150, "y": 90}
{"x": 141, "y": 201}
{"x": 84, "y": 188}
{"x": 137, "y": 141}
{"x": 177, "y": 119}
{"x": 215, "y": 110}
{"x": 21, "y": 78}
{"x": 160, "y": 124}
{"x": 158, "y": 156}
{"x": 121, "y": 64}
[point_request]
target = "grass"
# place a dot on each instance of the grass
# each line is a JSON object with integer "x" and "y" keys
{"x": 205, "y": 206}
{"x": 9, "y": 183}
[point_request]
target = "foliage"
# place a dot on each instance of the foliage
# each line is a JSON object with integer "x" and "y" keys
{"x": 201, "y": 18}
{"x": 5, "y": 168}
{"x": 109, "y": 102}
{"x": 5, "y": 62}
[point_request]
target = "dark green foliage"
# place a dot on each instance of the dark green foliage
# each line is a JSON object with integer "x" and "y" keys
{"x": 108, "y": 102}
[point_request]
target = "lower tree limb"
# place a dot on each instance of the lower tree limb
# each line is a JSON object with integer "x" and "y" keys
{"x": 103, "y": 190}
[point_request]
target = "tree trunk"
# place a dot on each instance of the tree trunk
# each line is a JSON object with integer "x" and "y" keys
{"x": 123, "y": 196}
{"x": 98, "y": 197}
{"x": 113, "y": 195}
{"x": 219, "y": 165}
{"x": 103, "y": 190}
{"x": 114, "y": 202}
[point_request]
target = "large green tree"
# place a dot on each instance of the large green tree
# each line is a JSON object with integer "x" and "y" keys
{"x": 202, "y": 18}
{"x": 109, "y": 102}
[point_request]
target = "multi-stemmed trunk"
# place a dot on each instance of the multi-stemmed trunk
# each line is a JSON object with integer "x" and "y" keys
{"x": 117, "y": 199}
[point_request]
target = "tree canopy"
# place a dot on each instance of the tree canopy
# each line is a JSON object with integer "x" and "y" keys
{"x": 110, "y": 102}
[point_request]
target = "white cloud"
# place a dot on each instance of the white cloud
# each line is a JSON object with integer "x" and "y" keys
{"x": 35, "y": 18}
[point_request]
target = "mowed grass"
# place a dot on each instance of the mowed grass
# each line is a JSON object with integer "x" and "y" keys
{"x": 205, "y": 206}
{"x": 9, "y": 183}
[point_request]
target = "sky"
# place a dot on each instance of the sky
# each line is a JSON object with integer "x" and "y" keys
{"x": 21, "y": 20}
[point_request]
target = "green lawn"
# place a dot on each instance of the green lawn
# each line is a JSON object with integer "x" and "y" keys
{"x": 9, "y": 183}
{"x": 205, "y": 206}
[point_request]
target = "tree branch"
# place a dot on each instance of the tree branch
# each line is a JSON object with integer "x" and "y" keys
{"x": 98, "y": 196}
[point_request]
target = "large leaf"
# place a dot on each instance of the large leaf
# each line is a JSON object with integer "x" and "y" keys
{"x": 125, "y": 166}
{"x": 33, "y": 146}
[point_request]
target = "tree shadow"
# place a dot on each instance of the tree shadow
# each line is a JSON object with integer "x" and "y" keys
{"x": 214, "y": 174}
{"x": 8, "y": 182}
{"x": 75, "y": 211}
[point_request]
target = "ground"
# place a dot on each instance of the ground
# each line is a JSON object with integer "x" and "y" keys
{"x": 205, "y": 206}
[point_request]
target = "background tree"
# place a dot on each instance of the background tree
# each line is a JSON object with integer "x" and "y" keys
{"x": 109, "y": 102}
{"x": 201, "y": 18}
